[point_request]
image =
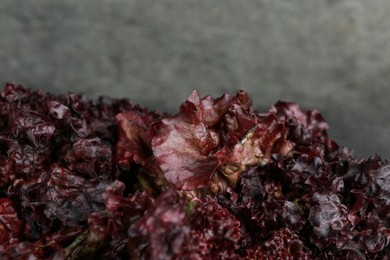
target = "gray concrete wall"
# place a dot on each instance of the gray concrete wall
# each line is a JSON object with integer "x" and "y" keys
{"x": 330, "y": 55}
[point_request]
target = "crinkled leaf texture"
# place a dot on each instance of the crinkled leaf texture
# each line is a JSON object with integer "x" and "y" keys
{"x": 221, "y": 134}
{"x": 106, "y": 179}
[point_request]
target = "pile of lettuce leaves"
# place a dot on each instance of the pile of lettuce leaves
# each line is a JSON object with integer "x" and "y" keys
{"x": 107, "y": 179}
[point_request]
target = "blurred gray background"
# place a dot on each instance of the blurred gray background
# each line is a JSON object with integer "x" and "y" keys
{"x": 331, "y": 55}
